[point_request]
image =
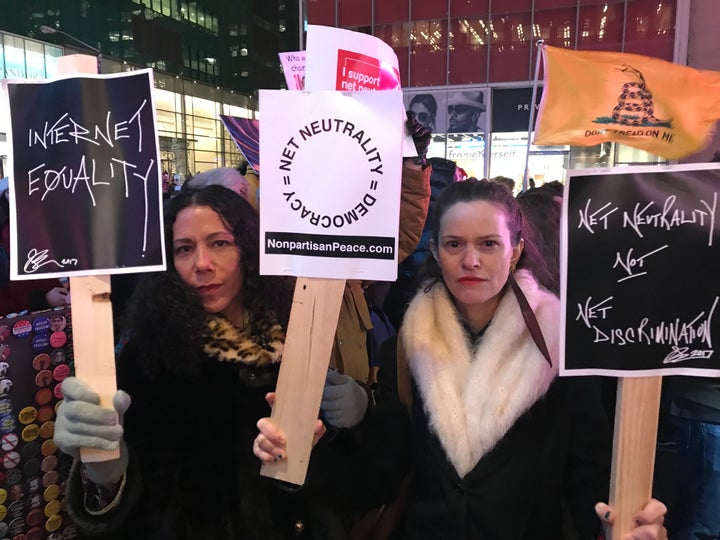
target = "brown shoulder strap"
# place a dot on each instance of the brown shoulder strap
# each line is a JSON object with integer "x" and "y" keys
{"x": 530, "y": 319}
{"x": 403, "y": 375}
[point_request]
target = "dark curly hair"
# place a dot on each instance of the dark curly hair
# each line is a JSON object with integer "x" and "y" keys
{"x": 496, "y": 193}
{"x": 165, "y": 319}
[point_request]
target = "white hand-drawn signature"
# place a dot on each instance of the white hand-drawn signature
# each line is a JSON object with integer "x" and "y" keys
{"x": 37, "y": 259}
{"x": 681, "y": 354}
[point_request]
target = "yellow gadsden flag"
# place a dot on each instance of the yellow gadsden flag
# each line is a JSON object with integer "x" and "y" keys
{"x": 593, "y": 97}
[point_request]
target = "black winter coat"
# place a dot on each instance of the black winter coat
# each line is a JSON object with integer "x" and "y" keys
{"x": 192, "y": 473}
{"x": 502, "y": 449}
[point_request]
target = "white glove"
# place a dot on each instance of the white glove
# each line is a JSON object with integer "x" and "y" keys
{"x": 82, "y": 423}
{"x": 344, "y": 401}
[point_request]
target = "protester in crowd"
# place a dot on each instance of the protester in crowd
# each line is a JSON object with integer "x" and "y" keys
{"x": 166, "y": 184}
{"x": 687, "y": 467}
{"x": 423, "y": 107}
{"x": 205, "y": 339}
{"x": 31, "y": 295}
{"x": 222, "y": 176}
{"x": 509, "y": 183}
{"x": 464, "y": 110}
{"x": 210, "y": 330}
{"x": 497, "y": 437}
{"x": 541, "y": 210}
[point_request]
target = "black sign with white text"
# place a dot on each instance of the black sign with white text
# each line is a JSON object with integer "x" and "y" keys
{"x": 641, "y": 292}
{"x": 85, "y": 182}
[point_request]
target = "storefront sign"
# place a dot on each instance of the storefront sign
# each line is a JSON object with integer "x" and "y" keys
{"x": 511, "y": 109}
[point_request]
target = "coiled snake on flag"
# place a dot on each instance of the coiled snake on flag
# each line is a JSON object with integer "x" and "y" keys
{"x": 635, "y": 104}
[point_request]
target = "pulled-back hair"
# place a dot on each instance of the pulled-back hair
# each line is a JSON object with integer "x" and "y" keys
{"x": 472, "y": 190}
{"x": 165, "y": 318}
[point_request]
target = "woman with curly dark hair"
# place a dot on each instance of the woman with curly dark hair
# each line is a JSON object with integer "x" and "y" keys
{"x": 203, "y": 345}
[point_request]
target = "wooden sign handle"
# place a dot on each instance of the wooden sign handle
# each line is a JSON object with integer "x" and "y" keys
{"x": 93, "y": 346}
{"x": 636, "y": 423}
{"x": 308, "y": 345}
{"x": 93, "y": 340}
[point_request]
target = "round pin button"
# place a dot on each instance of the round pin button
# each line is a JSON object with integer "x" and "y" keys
{"x": 30, "y": 433}
{"x": 22, "y": 328}
{"x": 34, "y": 501}
{"x": 11, "y": 460}
{"x": 41, "y": 324}
{"x": 16, "y": 494}
{"x": 3, "y": 512}
{"x": 14, "y": 476}
{"x": 8, "y": 442}
{"x": 3, "y": 497}
{"x": 47, "y": 429}
{"x": 49, "y": 478}
{"x": 7, "y": 423}
{"x": 36, "y": 533}
{"x": 31, "y": 450}
{"x": 32, "y": 485}
{"x": 45, "y": 413}
{"x": 61, "y": 372}
{"x": 52, "y": 508}
{"x": 17, "y": 526}
{"x": 48, "y": 447}
{"x": 57, "y": 391}
{"x": 41, "y": 361}
{"x": 51, "y": 493}
{"x": 53, "y": 523}
{"x": 27, "y": 415}
{"x": 49, "y": 463}
{"x": 5, "y": 406}
{"x": 57, "y": 323}
{"x": 44, "y": 378}
{"x": 58, "y": 357}
{"x": 58, "y": 339}
{"x": 43, "y": 396}
{"x": 5, "y": 351}
{"x": 34, "y": 517}
{"x": 4, "y": 332}
{"x": 31, "y": 467}
{"x": 16, "y": 510}
{"x": 40, "y": 342}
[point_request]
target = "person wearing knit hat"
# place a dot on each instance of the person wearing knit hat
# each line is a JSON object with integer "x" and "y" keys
{"x": 464, "y": 110}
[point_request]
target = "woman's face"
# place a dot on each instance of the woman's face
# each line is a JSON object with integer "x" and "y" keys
{"x": 423, "y": 115}
{"x": 475, "y": 253}
{"x": 207, "y": 258}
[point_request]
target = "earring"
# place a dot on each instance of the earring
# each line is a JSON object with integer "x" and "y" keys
{"x": 512, "y": 268}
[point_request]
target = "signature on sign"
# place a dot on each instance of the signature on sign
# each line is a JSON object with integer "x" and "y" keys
{"x": 680, "y": 354}
{"x": 36, "y": 259}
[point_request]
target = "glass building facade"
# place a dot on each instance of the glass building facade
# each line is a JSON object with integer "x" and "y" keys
{"x": 447, "y": 48}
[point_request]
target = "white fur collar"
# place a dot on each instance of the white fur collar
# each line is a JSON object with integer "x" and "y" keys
{"x": 472, "y": 399}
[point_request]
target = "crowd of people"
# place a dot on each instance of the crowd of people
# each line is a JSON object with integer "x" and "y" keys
{"x": 457, "y": 427}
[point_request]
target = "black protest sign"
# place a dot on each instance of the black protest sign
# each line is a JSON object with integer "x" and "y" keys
{"x": 640, "y": 279}
{"x": 85, "y": 177}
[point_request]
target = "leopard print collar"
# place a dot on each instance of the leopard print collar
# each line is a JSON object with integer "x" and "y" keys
{"x": 259, "y": 343}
